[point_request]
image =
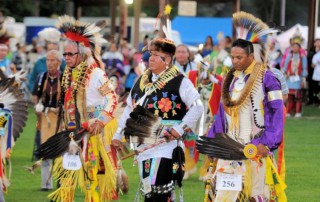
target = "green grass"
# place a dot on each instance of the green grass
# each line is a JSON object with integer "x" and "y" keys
{"x": 302, "y": 150}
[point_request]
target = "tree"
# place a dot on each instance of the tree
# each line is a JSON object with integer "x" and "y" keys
{"x": 17, "y": 8}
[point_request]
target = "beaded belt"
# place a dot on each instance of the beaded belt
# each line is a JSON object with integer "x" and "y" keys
{"x": 160, "y": 189}
{"x": 94, "y": 111}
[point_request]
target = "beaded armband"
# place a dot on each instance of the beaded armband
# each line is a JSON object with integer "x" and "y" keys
{"x": 106, "y": 88}
{"x": 104, "y": 117}
{"x": 274, "y": 95}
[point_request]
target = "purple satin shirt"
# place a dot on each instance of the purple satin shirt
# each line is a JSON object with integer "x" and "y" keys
{"x": 273, "y": 115}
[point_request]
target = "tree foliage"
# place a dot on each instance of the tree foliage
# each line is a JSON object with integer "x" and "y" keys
{"x": 267, "y": 10}
{"x": 17, "y": 8}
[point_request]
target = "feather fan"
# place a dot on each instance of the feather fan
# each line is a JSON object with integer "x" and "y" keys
{"x": 59, "y": 143}
{"x": 142, "y": 124}
{"x": 222, "y": 147}
{"x": 4, "y": 34}
{"x": 12, "y": 100}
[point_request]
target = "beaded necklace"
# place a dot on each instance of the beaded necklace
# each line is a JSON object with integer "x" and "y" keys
{"x": 52, "y": 88}
{"x": 149, "y": 87}
{"x": 232, "y": 106}
{"x": 76, "y": 78}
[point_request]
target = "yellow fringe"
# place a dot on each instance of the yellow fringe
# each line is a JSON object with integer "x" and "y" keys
{"x": 93, "y": 166}
{"x": 235, "y": 121}
{"x": 274, "y": 180}
{"x": 109, "y": 130}
{"x": 81, "y": 181}
{"x": 67, "y": 178}
{"x": 204, "y": 167}
{"x": 190, "y": 163}
{"x": 247, "y": 184}
{"x": 88, "y": 196}
{"x": 107, "y": 181}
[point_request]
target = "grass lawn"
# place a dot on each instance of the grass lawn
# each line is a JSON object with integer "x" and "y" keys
{"x": 302, "y": 150}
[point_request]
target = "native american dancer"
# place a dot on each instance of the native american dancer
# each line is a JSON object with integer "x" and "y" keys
{"x": 51, "y": 36}
{"x": 251, "y": 112}
{"x": 185, "y": 65}
{"x": 46, "y": 96}
{"x": 167, "y": 97}
{"x": 13, "y": 117}
{"x": 220, "y": 58}
{"x": 88, "y": 101}
{"x": 182, "y": 60}
{"x": 208, "y": 85}
{"x": 296, "y": 70}
{"x": 13, "y": 110}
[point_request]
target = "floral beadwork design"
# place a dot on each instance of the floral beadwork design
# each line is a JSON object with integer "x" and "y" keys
{"x": 165, "y": 104}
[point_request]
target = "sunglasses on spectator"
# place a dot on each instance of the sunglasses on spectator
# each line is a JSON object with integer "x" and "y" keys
{"x": 69, "y": 54}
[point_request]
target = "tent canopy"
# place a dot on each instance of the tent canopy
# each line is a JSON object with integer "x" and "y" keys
{"x": 194, "y": 30}
{"x": 283, "y": 38}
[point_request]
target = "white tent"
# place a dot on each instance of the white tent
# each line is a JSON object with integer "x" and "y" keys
{"x": 284, "y": 37}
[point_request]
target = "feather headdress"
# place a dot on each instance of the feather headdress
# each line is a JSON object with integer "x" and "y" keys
{"x": 167, "y": 43}
{"x": 166, "y": 24}
{"x": 252, "y": 29}
{"x": 4, "y": 35}
{"x": 297, "y": 37}
{"x": 50, "y": 34}
{"x": 85, "y": 34}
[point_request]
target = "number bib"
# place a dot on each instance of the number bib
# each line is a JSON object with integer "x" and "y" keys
{"x": 294, "y": 78}
{"x": 229, "y": 182}
{"x": 71, "y": 162}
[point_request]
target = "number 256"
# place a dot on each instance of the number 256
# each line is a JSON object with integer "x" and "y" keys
{"x": 228, "y": 184}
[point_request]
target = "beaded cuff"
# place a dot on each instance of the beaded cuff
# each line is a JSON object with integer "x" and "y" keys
{"x": 106, "y": 88}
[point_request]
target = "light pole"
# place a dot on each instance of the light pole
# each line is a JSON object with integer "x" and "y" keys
{"x": 283, "y": 13}
{"x": 123, "y": 19}
{"x": 136, "y": 28}
{"x": 113, "y": 16}
{"x": 136, "y": 25}
{"x": 312, "y": 21}
{"x": 128, "y": 1}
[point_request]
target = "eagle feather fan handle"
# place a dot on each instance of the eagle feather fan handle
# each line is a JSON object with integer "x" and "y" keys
{"x": 224, "y": 147}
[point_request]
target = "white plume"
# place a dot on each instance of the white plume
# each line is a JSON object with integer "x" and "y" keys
{"x": 50, "y": 34}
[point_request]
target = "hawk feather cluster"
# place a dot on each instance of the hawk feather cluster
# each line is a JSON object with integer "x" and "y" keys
{"x": 252, "y": 29}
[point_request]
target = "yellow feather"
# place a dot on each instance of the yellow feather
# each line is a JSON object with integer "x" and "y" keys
{"x": 167, "y": 9}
